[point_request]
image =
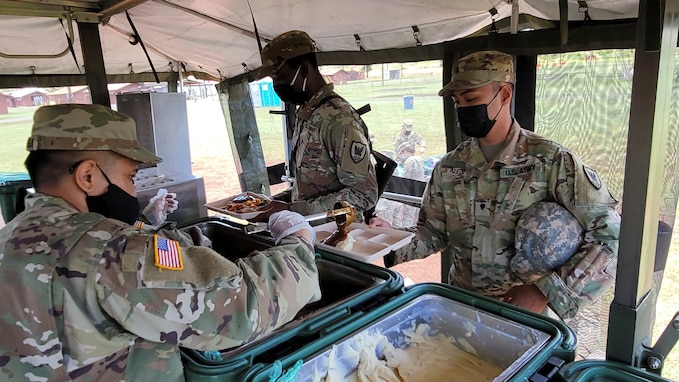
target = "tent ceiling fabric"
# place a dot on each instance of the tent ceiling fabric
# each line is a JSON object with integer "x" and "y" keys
{"x": 220, "y": 43}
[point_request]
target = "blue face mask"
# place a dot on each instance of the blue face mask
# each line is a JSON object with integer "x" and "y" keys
{"x": 114, "y": 203}
{"x": 474, "y": 121}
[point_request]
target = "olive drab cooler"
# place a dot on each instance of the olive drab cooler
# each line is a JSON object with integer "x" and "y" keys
{"x": 360, "y": 298}
{"x": 347, "y": 285}
{"x": 501, "y": 342}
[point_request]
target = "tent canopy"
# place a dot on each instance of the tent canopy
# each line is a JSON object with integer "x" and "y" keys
{"x": 216, "y": 37}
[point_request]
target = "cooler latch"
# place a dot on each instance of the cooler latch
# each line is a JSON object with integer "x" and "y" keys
{"x": 548, "y": 370}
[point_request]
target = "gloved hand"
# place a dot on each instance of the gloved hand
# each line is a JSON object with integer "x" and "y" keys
{"x": 160, "y": 206}
{"x": 285, "y": 223}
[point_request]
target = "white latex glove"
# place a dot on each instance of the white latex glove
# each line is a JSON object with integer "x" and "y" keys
{"x": 160, "y": 206}
{"x": 285, "y": 223}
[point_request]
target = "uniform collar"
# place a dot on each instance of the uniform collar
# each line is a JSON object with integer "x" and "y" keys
{"x": 37, "y": 199}
{"x": 308, "y": 108}
{"x": 506, "y": 156}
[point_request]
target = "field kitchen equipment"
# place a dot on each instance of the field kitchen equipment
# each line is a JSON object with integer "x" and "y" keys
{"x": 357, "y": 296}
{"x": 605, "y": 371}
{"x": 347, "y": 286}
{"x": 521, "y": 345}
{"x": 163, "y": 128}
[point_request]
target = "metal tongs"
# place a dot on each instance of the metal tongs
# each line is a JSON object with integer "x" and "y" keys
{"x": 250, "y": 227}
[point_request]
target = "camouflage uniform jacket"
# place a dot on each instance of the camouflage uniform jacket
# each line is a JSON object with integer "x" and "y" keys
{"x": 414, "y": 139}
{"x": 331, "y": 156}
{"x": 413, "y": 168}
{"x": 84, "y": 301}
{"x": 470, "y": 209}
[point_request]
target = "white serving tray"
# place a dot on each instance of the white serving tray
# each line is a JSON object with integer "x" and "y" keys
{"x": 370, "y": 244}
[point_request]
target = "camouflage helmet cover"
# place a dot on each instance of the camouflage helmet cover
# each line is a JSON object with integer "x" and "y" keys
{"x": 87, "y": 127}
{"x": 479, "y": 69}
{"x": 283, "y": 47}
{"x": 546, "y": 236}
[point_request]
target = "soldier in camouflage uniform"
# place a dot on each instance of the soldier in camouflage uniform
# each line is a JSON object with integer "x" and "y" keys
{"x": 330, "y": 158}
{"x": 413, "y": 168}
{"x": 478, "y": 191}
{"x": 407, "y": 135}
{"x": 88, "y": 297}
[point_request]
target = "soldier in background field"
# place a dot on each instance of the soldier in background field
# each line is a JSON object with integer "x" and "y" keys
{"x": 478, "y": 192}
{"x": 87, "y": 296}
{"x": 413, "y": 168}
{"x": 407, "y": 135}
{"x": 330, "y": 158}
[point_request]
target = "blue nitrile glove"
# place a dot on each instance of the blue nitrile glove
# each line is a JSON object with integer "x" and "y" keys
{"x": 285, "y": 223}
{"x": 290, "y": 375}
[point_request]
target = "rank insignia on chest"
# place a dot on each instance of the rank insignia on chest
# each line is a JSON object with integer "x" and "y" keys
{"x": 168, "y": 253}
{"x": 592, "y": 176}
{"x": 358, "y": 151}
{"x": 138, "y": 224}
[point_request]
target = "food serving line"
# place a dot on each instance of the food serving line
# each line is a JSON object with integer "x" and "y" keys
{"x": 369, "y": 323}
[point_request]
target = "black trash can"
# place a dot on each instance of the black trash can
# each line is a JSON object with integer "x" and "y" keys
{"x": 13, "y": 189}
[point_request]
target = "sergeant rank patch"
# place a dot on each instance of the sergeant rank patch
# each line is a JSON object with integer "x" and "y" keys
{"x": 168, "y": 253}
{"x": 592, "y": 176}
{"x": 358, "y": 151}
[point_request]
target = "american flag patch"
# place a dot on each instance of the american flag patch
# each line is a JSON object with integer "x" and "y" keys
{"x": 168, "y": 253}
{"x": 139, "y": 224}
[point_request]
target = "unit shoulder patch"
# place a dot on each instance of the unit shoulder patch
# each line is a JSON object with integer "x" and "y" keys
{"x": 358, "y": 151}
{"x": 592, "y": 176}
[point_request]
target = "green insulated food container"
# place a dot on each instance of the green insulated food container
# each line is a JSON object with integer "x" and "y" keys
{"x": 516, "y": 343}
{"x": 605, "y": 371}
{"x": 346, "y": 285}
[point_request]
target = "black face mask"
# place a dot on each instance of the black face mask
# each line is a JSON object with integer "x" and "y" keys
{"x": 474, "y": 121}
{"x": 114, "y": 203}
{"x": 287, "y": 92}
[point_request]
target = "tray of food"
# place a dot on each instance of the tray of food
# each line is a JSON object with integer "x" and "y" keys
{"x": 361, "y": 242}
{"x": 246, "y": 205}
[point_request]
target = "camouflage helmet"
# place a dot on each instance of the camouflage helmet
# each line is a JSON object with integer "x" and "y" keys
{"x": 408, "y": 124}
{"x": 284, "y": 47}
{"x": 547, "y": 235}
{"x": 87, "y": 127}
{"x": 480, "y": 68}
{"x": 406, "y": 147}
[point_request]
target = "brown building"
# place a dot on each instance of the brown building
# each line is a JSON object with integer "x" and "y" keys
{"x": 29, "y": 97}
{"x": 5, "y": 103}
{"x": 71, "y": 94}
{"x": 342, "y": 76}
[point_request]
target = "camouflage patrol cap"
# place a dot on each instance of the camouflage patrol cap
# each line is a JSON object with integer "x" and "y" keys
{"x": 87, "y": 127}
{"x": 408, "y": 124}
{"x": 284, "y": 47}
{"x": 547, "y": 235}
{"x": 480, "y": 68}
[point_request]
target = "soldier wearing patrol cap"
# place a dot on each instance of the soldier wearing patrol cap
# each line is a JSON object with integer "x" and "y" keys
{"x": 330, "y": 158}
{"x": 478, "y": 191}
{"x": 90, "y": 297}
{"x": 407, "y": 135}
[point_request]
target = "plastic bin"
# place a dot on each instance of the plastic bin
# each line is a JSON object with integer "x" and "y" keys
{"x": 605, "y": 371}
{"x": 518, "y": 342}
{"x": 347, "y": 286}
{"x": 13, "y": 187}
{"x": 408, "y": 102}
